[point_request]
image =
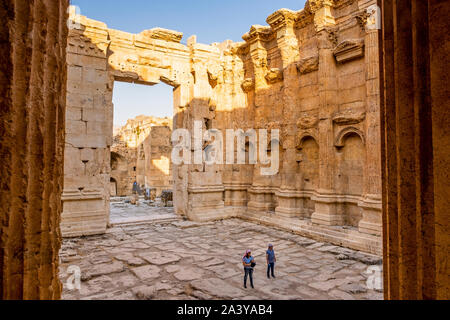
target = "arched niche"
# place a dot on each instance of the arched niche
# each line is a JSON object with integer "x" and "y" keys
{"x": 113, "y": 187}
{"x": 308, "y": 162}
{"x": 344, "y": 133}
{"x": 350, "y": 175}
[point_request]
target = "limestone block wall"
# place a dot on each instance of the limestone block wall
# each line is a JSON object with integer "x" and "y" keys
{"x": 88, "y": 138}
{"x": 33, "y": 36}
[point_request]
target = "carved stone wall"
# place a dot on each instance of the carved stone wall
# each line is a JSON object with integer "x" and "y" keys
{"x": 312, "y": 74}
{"x": 33, "y": 37}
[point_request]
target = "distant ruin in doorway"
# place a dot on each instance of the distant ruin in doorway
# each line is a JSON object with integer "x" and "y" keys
{"x": 141, "y": 153}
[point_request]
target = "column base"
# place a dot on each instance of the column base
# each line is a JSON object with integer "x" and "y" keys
{"x": 326, "y": 212}
{"x": 371, "y": 222}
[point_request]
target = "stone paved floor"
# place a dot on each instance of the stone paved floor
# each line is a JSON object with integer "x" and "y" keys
{"x": 184, "y": 260}
{"x": 122, "y": 212}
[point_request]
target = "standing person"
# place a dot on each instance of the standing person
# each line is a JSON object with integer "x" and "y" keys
{"x": 271, "y": 259}
{"x": 249, "y": 263}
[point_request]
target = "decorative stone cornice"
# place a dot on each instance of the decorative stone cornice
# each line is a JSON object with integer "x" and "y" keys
{"x": 349, "y": 49}
{"x": 281, "y": 18}
{"x": 163, "y": 34}
{"x": 342, "y": 3}
{"x": 258, "y": 33}
{"x": 315, "y": 5}
{"x": 303, "y": 19}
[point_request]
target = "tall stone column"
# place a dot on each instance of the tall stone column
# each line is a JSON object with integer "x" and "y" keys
{"x": 415, "y": 123}
{"x": 261, "y": 193}
{"x": 325, "y": 207}
{"x": 282, "y": 23}
{"x": 179, "y": 172}
{"x": 33, "y": 36}
{"x": 205, "y": 186}
{"x": 371, "y": 221}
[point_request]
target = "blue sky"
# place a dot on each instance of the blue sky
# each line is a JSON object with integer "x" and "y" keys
{"x": 211, "y": 20}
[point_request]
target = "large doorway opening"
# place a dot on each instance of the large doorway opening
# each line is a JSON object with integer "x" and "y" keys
{"x": 141, "y": 152}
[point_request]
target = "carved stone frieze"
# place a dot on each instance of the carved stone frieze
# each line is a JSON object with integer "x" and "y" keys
{"x": 163, "y": 34}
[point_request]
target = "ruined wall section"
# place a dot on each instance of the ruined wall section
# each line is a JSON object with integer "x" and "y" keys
{"x": 98, "y": 56}
{"x": 88, "y": 126}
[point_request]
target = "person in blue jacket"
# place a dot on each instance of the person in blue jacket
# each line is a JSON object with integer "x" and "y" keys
{"x": 271, "y": 259}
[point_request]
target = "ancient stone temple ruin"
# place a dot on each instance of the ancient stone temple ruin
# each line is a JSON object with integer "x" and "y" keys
{"x": 362, "y": 110}
{"x": 141, "y": 152}
{"x": 311, "y": 74}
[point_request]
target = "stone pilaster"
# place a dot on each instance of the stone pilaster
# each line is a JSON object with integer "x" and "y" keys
{"x": 89, "y": 121}
{"x": 205, "y": 186}
{"x": 371, "y": 221}
{"x": 325, "y": 205}
{"x": 283, "y": 25}
{"x": 261, "y": 196}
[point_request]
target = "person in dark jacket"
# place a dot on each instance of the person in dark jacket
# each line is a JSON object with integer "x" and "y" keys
{"x": 249, "y": 263}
